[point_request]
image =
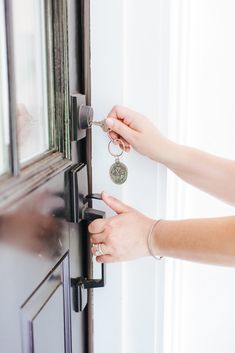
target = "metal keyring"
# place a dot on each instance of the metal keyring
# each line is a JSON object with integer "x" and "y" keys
{"x": 109, "y": 148}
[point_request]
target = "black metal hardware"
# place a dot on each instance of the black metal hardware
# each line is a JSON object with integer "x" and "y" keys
{"x": 90, "y": 214}
{"x": 85, "y": 116}
{"x": 81, "y": 284}
{"x": 96, "y": 283}
{"x": 77, "y": 189}
{"x": 79, "y": 289}
{"x": 82, "y": 116}
{"x": 79, "y": 211}
{"x": 77, "y": 201}
{"x": 94, "y": 197}
{"x": 79, "y": 294}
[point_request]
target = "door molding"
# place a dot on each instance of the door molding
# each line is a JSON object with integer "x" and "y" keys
{"x": 32, "y": 176}
{"x": 31, "y": 309}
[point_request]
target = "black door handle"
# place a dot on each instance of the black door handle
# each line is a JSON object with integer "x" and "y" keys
{"x": 90, "y": 214}
{"x": 81, "y": 284}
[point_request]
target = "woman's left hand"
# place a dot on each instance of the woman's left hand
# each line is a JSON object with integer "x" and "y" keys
{"x": 122, "y": 237}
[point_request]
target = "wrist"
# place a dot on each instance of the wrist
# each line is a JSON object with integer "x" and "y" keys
{"x": 163, "y": 150}
{"x": 177, "y": 157}
{"x": 156, "y": 239}
{"x": 151, "y": 250}
{"x": 166, "y": 152}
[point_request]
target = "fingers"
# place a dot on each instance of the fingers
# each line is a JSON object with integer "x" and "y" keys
{"x": 97, "y": 238}
{"x": 97, "y": 226}
{"x": 121, "y": 129}
{"x": 115, "y": 204}
{"x": 106, "y": 250}
{"x": 123, "y": 144}
{"x": 105, "y": 259}
{"x": 102, "y": 234}
{"x": 128, "y": 116}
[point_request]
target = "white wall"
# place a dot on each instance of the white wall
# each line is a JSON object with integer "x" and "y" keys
{"x": 199, "y": 307}
{"x": 129, "y": 66}
{"x": 107, "y": 89}
{"x": 173, "y": 60}
{"x": 146, "y": 90}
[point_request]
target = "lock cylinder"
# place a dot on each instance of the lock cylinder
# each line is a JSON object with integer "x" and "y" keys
{"x": 81, "y": 117}
{"x": 85, "y": 116}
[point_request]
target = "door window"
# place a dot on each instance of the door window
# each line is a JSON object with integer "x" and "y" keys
{"x": 4, "y": 116}
{"x": 34, "y": 87}
{"x": 30, "y": 77}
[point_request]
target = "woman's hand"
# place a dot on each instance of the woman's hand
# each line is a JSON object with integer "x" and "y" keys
{"x": 123, "y": 237}
{"x": 137, "y": 131}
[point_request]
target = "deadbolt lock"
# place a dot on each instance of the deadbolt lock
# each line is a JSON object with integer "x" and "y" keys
{"x": 85, "y": 116}
{"x": 82, "y": 116}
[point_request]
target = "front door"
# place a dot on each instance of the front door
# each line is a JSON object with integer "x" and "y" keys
{"x": 45, "y": 177}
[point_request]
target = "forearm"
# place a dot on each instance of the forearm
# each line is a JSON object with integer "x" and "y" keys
{"x": 209, "y": 241}
{"x": 207, "y": 172}
{"x": 210, "y": 173}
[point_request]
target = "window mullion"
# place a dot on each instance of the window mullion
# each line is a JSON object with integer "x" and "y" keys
{"x": 13, "y": 152}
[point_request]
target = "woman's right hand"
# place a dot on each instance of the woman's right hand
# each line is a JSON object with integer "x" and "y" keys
{"x": 137, "y": 131}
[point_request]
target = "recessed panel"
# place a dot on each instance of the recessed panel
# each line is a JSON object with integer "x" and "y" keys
{"x": 46, "y": 316}
{"x": 48, "y": 326}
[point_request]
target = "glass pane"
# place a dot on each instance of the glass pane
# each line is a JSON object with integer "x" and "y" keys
{"x": 4, "y": 116}
{"x": 31, "y": 77}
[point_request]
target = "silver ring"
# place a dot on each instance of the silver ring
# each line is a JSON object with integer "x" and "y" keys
{"x": 119, "y": 142}
{"x": 98, "y": 250}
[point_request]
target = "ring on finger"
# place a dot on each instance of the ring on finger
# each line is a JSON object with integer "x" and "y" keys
{"x": 98, "y": 250}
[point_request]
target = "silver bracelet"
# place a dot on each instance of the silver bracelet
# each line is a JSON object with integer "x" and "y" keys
{"x": 149, "y": 241}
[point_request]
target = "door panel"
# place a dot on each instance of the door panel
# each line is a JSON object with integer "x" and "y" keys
{"x": 45, "y": 258}
{"x": 34, "y": 264}
{"x": 40, "y": 253}
{"x": 43, "y": 315}
{"x": 50, "y": 339}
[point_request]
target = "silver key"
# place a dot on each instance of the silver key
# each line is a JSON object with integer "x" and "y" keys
{"x": 101, "y": 124}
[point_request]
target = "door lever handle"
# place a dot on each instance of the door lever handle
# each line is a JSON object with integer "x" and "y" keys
{"x": 94, "y": 197}
{"x": 81, "y": 284}
{"x": 90, "y": 214}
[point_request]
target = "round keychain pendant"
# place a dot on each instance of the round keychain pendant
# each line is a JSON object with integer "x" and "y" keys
{"x": 118, "y": 171}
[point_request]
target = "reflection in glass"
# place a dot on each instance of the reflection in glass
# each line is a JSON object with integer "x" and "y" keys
{"x": 31, "y": 77}
{"x": 4, "y": 132}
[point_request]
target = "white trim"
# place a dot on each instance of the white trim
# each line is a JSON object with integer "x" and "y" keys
{"x": 177, "y": 128}
{"x": 107, "y": 76}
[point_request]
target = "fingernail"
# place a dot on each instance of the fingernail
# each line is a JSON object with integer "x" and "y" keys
{"x": 109, "y": 122}
{"x": 105, "y": 194}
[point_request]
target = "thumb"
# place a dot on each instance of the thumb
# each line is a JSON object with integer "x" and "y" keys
{"x": 120, "y": 128}
{"x": 115, "y": 204}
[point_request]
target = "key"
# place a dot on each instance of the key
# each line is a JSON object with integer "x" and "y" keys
{"x": 101, "y": 124}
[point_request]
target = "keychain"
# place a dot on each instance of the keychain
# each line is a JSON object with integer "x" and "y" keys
{"x": 118, "y": 171}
